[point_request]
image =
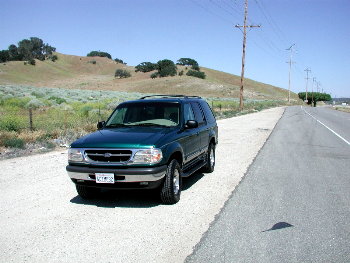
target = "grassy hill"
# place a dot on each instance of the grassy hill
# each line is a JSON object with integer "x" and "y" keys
{"x": 75, "y": 72}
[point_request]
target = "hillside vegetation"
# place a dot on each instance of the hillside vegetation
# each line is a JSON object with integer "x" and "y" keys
{"x": 97, "y": 73}
{"x": 52, "y": 103}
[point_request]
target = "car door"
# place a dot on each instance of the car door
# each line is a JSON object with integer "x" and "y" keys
{"x": 191, "y": 138}
{"x": 203, "y": 128}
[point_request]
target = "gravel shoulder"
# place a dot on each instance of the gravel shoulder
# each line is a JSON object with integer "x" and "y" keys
{"x": 43, "y": 219}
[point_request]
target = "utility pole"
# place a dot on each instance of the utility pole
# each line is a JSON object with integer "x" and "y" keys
{"x": 318, "y": 86}
{"x": 290, "y": 68}
{"x": 308, "y": 70}
{"x": 313, "y": 82}
{"x": 243, "y": 51}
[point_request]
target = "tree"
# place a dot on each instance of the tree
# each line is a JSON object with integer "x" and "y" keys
{"x": 195, "y": 73}
{"x": 13, "y": 52}
{"x": 99, "y": 54}
{"x": 4, "y": 55}
{"x": 37, "y": 48}
{"x": 195, "y": 67}
{"x": 187, "y": 62}
{"x": 119, "y": 61}
{"x": 33, "y": 48}
{"x": 25, "y": 48}
{"x": 145, "y": 67}
{"x": 48, "y": 50}
{"x": 121, "y": 73}
{"x": 166, "y": 68}
{"x": 314, "y": 97}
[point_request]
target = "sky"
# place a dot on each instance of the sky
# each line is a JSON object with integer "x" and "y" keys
{"x": 150, "y": 30}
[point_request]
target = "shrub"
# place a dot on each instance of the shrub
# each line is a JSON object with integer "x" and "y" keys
{"x": 32, "y": 61}
{"x": 181, "y": 73}
{"x": 85, "y": 110}
{"x": 11, "y": 123}
{"x": 38, "y": 94}
{"x": 54, "y": 58}
{"x": 121, "y": 73}
{"x": 10, "y": 101}
{"x": 197, "y": 74}
{"x": 154, "y": 75}
{"x": 14, "y": 143}
{"x": 57, "y": 99}
{"x": 34, "y": 104}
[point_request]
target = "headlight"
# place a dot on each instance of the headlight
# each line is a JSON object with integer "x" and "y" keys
{"x": 75, "y": 155}
{"x": 148, "y": 156}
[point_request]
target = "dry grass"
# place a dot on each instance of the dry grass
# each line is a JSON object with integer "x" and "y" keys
{"x": 75, "y": 72}
{"x": 344, "y": 109}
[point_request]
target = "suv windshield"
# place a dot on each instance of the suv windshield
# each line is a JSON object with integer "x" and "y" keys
{"x": 145, "y": 114}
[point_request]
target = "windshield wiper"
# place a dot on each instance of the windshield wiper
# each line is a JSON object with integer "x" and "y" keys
{"x": 116, "y": 125}
{"x": 150, "y": 124}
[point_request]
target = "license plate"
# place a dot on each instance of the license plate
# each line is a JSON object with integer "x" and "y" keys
{"x": 104, "y": 178}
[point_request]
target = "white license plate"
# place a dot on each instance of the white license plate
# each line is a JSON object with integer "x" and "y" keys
{"x": 104, "y": 178}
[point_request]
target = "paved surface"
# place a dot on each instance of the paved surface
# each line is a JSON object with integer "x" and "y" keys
{"x": 43, "y": 220}
{"x": 293, "y": 205}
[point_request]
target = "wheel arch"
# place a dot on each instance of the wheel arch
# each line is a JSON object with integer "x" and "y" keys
{"x": 174, "y": 151}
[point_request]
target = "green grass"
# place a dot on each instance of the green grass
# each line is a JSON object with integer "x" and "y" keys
{"x": 230, "y": 107}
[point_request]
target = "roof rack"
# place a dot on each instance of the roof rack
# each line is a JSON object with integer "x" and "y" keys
{"x": 170, "y": 96}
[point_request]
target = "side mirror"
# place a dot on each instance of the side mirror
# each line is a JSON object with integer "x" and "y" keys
{"x": 100, "y": 124}
{"x": 190, "y": 124}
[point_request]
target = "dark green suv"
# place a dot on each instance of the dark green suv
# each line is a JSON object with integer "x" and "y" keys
{"x": 150, "y": 143}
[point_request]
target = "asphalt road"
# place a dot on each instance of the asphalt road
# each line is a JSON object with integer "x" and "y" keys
{"x": 293, "y": 204}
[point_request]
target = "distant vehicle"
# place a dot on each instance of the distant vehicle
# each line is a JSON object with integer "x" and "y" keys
{"x": 150, "y": 143}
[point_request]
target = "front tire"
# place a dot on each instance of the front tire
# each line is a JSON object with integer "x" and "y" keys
{"x": 86, "y": 192}
{"x": 171, "y": 188}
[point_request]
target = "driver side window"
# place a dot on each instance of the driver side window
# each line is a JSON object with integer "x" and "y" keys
{"x": 188, "y": 112}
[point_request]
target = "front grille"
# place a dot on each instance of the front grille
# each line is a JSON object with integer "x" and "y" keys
{"x": 109, "y": 156}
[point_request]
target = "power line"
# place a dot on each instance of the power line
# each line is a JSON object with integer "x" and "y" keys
{"x": 231, "y": 7}
{"x": 211, "y": 12}
{"x": 221, "y": 7}
{"x": 271, "y": 21}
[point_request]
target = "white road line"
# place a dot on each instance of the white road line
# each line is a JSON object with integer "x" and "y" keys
{"x": 327, "y": 127}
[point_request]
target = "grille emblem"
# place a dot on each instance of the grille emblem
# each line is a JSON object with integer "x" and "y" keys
{"x": 107, "y": 155}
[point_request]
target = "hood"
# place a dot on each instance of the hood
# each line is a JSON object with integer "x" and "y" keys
{"x": 130, "y": 137}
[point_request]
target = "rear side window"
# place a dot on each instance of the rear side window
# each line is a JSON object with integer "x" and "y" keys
{"x": 198, "y": 113}
{"x": 188, "y": 113}
{"x": 208, "y": 112}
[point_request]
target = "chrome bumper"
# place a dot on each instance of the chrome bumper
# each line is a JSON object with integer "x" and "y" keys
{"x": 129, "y": 175}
